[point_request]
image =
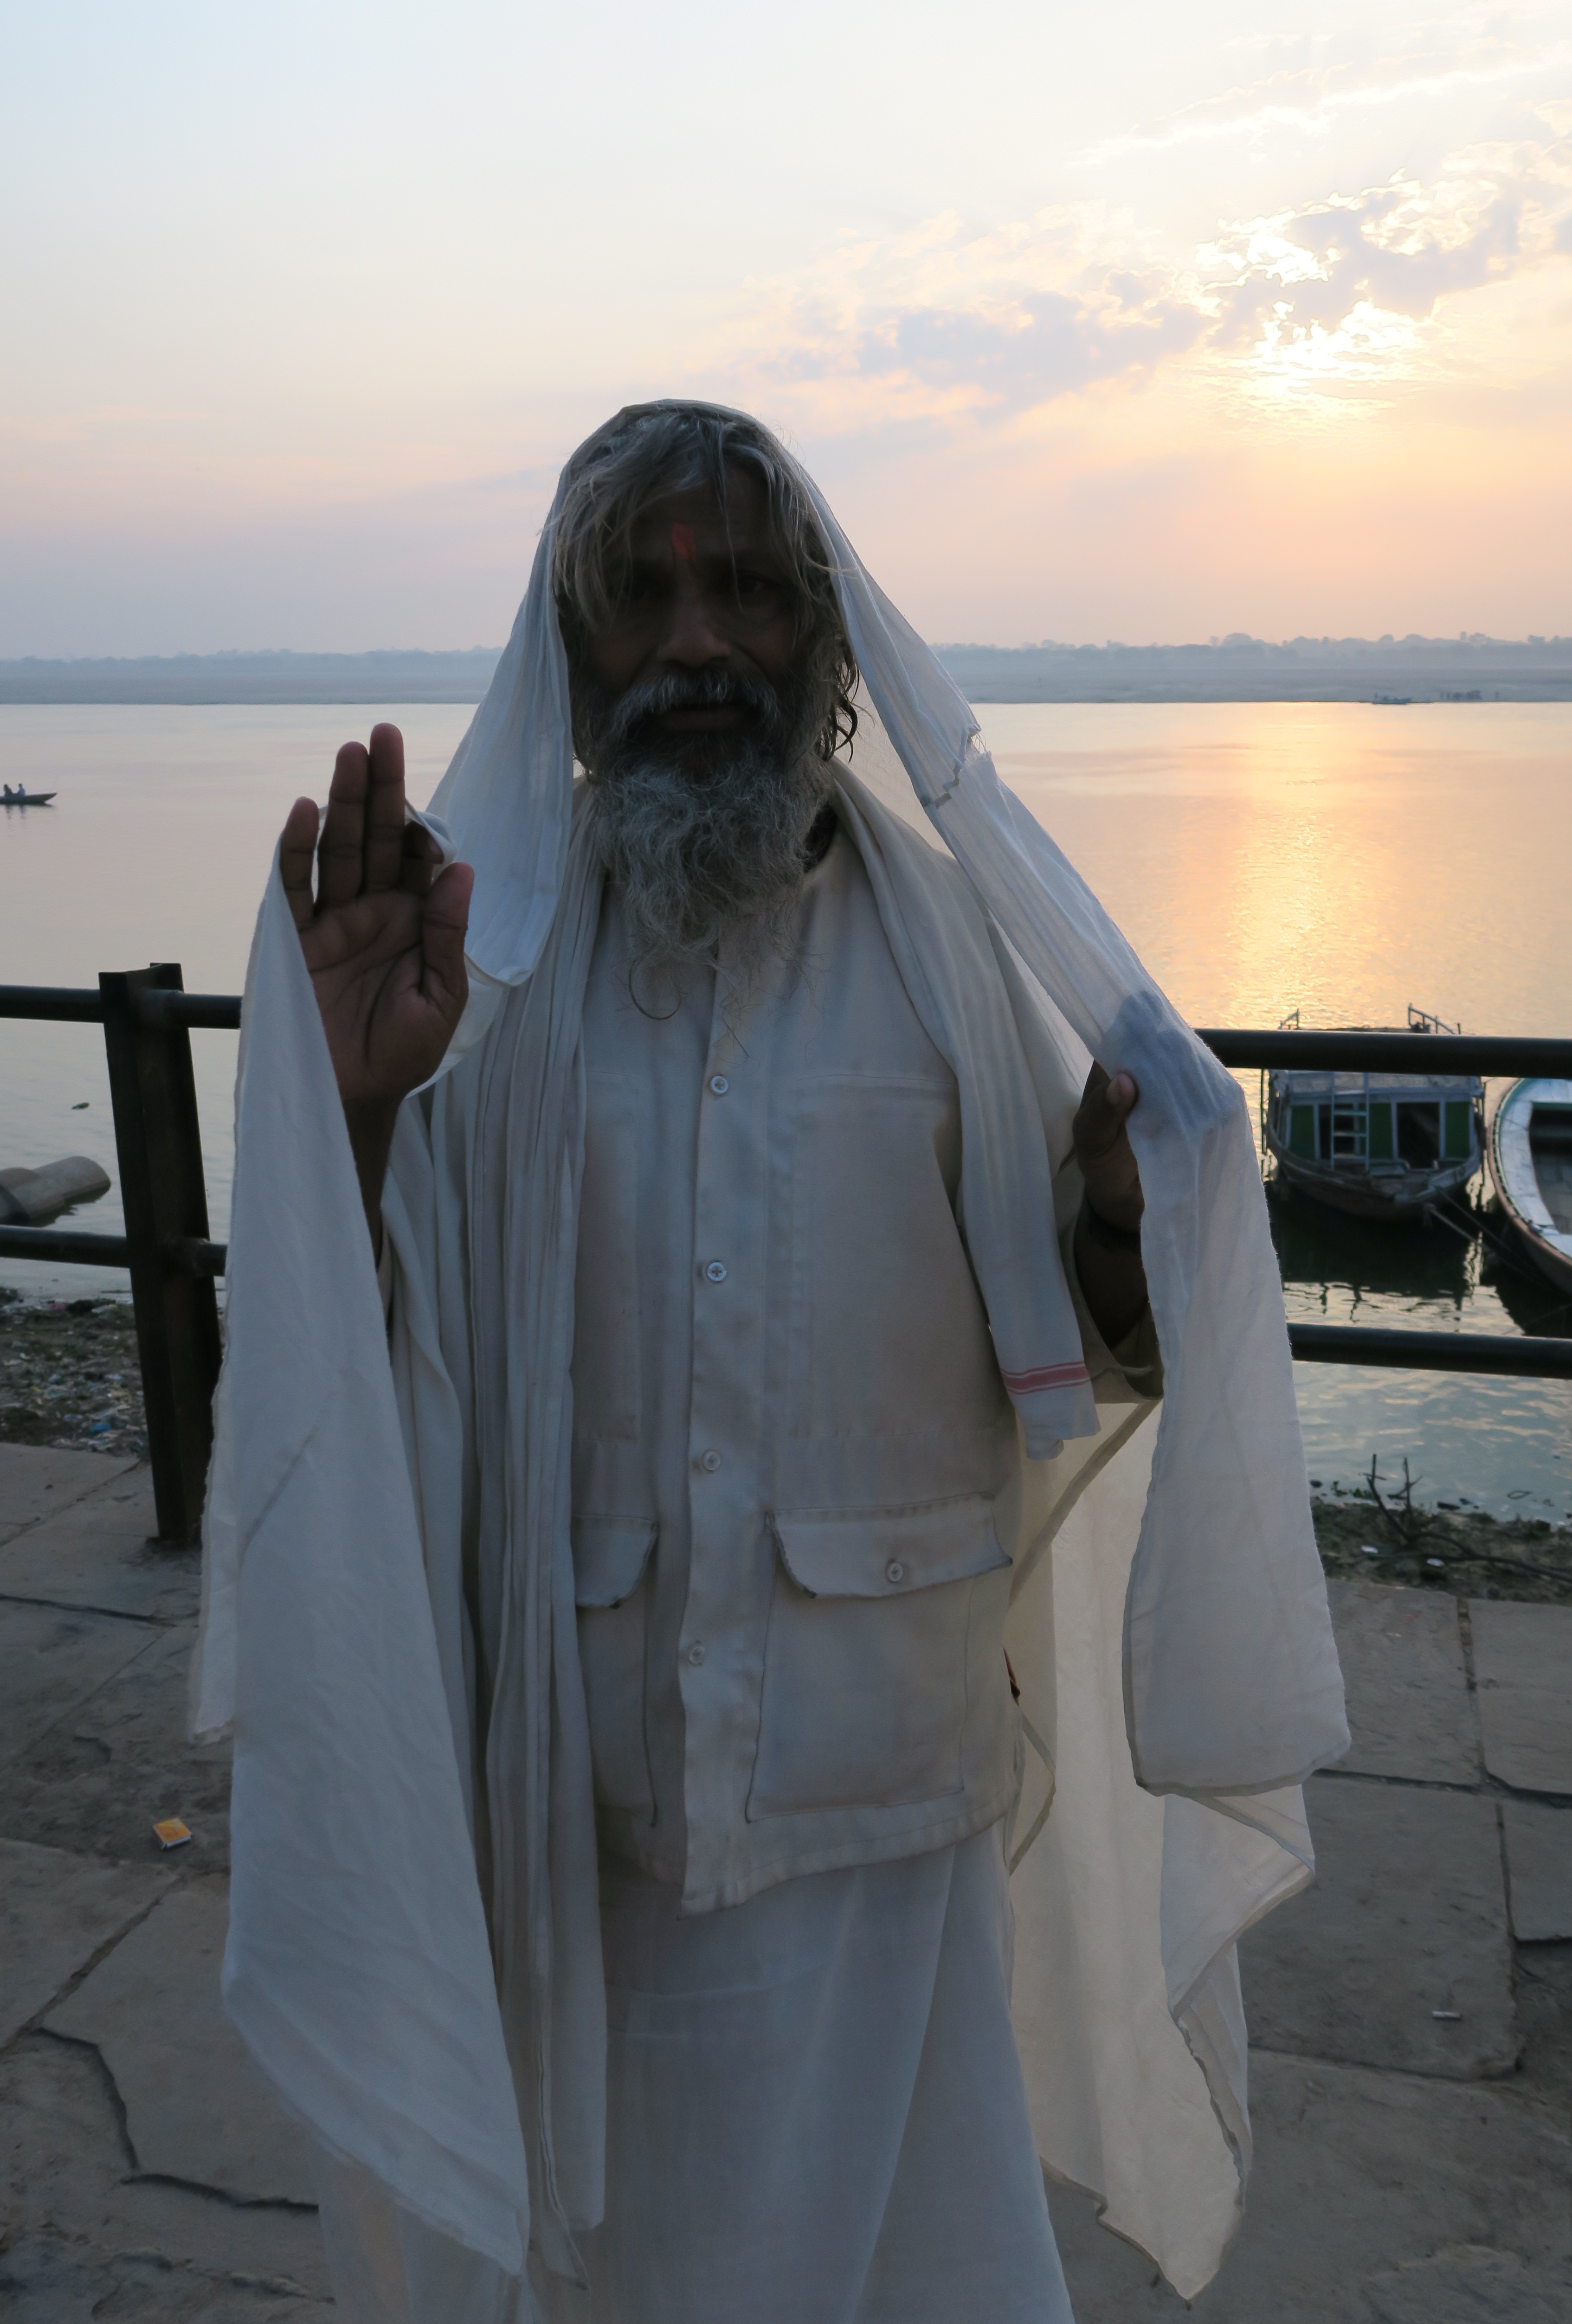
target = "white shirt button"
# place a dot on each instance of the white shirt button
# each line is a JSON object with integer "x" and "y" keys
{"x": 694, "y": 1653}
{"x": 711, "y": 1460}
{"x": 719, "y": 1084}
{"x": 716, "y": 1271}
{"x": 894, "y": 1571}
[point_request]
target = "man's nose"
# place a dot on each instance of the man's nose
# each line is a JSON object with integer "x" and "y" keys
{"x": 693, "y": 637}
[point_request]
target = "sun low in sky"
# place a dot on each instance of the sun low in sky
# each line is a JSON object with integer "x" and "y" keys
{"x": 1135, "y": 322}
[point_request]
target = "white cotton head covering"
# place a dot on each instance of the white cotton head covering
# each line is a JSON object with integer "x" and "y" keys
{"x": 1232, "y": 1681}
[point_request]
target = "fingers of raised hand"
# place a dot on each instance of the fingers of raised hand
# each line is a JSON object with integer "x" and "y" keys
{"x": 443, "y": 976}
{"x": 384, "y": 846}
{"x": 341, "y": 850}
{"x": 296, "y": 850}
{"x": 417, "y": 865}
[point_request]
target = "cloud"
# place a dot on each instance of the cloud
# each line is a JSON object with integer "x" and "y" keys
{"x": 1345, "y": 287}
{"x": 945, "y": 327}
{"x": 1310, "y": 86}
{"x": 944, "y": 324}
{"x": 1047, "y": 343}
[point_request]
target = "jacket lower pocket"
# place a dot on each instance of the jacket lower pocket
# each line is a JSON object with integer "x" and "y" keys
{"x": 881, "y": 1628}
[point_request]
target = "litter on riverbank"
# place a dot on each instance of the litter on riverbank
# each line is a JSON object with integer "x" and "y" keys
{"x": 68, "y": 1374}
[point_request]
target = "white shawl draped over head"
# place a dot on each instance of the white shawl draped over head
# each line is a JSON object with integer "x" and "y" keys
{"x": 442, "y": 2029}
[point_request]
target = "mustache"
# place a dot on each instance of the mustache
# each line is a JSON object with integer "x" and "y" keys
{"x": 634, "y": 716}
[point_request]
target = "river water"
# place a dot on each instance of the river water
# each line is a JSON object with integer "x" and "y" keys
{"x": 1336, "y": 858}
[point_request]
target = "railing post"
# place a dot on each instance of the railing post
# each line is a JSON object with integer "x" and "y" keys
{"x": 158, "y": 1140}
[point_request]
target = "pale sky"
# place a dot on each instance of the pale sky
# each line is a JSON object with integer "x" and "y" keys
{"x": 1127, "y": 321}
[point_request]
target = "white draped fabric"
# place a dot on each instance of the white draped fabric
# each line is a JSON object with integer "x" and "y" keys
{"x": 443, "y": 2034}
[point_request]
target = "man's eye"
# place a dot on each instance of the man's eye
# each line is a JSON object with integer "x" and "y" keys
{"x": 755, "y": 588}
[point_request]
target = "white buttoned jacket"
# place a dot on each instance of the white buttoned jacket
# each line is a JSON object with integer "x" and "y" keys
{"x": 790, "y": 1432}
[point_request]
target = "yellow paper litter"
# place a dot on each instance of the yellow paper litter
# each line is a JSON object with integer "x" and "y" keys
{"x": 171, "y": 1832}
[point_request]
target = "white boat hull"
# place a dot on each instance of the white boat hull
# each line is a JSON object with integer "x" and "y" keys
{"x": 1515, "y": 1172}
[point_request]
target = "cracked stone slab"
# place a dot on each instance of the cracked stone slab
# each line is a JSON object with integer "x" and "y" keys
{"x": 43, "y": 2276}
{"x": 52, "y": 1658}
{"x": 67, "y": 2172}
{"x": 1469, "y": 2283}
{"x": 1539, "y": 1870}
{"x": 56, "y": 1912}
{"x": 37, "y": 1483}
{"x": 1407, "y": 1917}
{"x": 196, "y": 2108}
{"x": 1367, "y": 2189}
{"x": 96, "y": 1554}
{"x": 99, "y": 1782}
{"x": 1522, "y": 1664}
{"x": 1410, "y": 1710}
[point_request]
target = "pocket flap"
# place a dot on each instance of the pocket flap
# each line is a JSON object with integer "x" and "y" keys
{"x": 883, "y": 1553}
{"x": 609, "y": 1554}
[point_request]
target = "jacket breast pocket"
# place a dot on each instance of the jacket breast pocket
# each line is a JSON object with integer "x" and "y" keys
{"x": 883, "y": 1628}
{"x": 888, "y": 1334}
{"x": 611, "y": 1582}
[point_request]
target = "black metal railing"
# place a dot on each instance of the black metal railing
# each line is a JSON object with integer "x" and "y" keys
{"x": 148, "y": 1017}
{"x": 1390, "y": 1053}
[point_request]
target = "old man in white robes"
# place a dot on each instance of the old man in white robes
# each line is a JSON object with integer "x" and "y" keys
{"x": 764, "y": 1291}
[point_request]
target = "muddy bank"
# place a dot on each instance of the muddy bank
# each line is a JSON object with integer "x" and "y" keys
{"x": 1462, "y": 1551}
{"x": 68, "y": 1374}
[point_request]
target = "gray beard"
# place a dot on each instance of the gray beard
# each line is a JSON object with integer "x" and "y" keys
{"x": 701, "y": 834}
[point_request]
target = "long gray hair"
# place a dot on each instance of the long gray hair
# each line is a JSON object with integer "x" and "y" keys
{"x": 651, "y": 449}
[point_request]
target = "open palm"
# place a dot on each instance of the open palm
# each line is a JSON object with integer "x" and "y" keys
{"x": 382, "y": 938}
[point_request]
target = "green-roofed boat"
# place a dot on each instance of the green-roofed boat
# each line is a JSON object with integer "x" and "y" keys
{"x": 1377, "y": 1146}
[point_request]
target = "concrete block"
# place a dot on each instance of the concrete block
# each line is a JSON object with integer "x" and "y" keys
{"x": 30, "y": 1197}
{"x": 1409, "y": 1710}
{"x": 52, "y": 1659}
{"x": 66, "y": 2173}
{"x": 99, "y": 1782}
{"x": 1539, "y": 1870}
{"x": 1407, "y": 1917}
{"x": 96, "y": 1553}
{"x": 37, "y": 1483}
{"x": 1522, "y": 1665}
{"x": 1367, "y": 2189}
{"x": 56, "y": 1912}
{"x": 195, "y": 2109}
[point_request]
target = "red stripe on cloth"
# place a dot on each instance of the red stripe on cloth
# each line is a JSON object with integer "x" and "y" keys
{"x": 1045, "y": 1376}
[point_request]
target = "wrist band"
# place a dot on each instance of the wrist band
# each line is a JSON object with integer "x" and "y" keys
{"x": 1108, "y": 1237}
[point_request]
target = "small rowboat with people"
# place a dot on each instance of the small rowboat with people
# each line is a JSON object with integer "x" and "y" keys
{"x": 18, "y": 797}
{"x": 1530, "y": 1161}
{"x": 1376, "y": 1146}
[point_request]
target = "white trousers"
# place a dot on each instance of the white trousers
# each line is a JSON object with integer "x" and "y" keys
{"x": 815, "y": 2113}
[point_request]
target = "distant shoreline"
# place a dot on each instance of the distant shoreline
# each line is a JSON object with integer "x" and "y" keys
{"x": 1391, "y": 671}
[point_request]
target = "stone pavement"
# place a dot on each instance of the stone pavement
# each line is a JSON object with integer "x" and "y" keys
{"x": 1410, "y": 2015}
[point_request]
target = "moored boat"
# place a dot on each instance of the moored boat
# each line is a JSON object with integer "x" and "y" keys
{"x": 1385, "y": 1146}
{"x": 1530, "y": 1161}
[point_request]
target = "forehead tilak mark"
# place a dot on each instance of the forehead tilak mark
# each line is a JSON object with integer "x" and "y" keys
{"x": 684, "y": 544}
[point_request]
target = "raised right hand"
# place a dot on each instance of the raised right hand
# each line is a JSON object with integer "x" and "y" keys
{"x": 383, "y": 939}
